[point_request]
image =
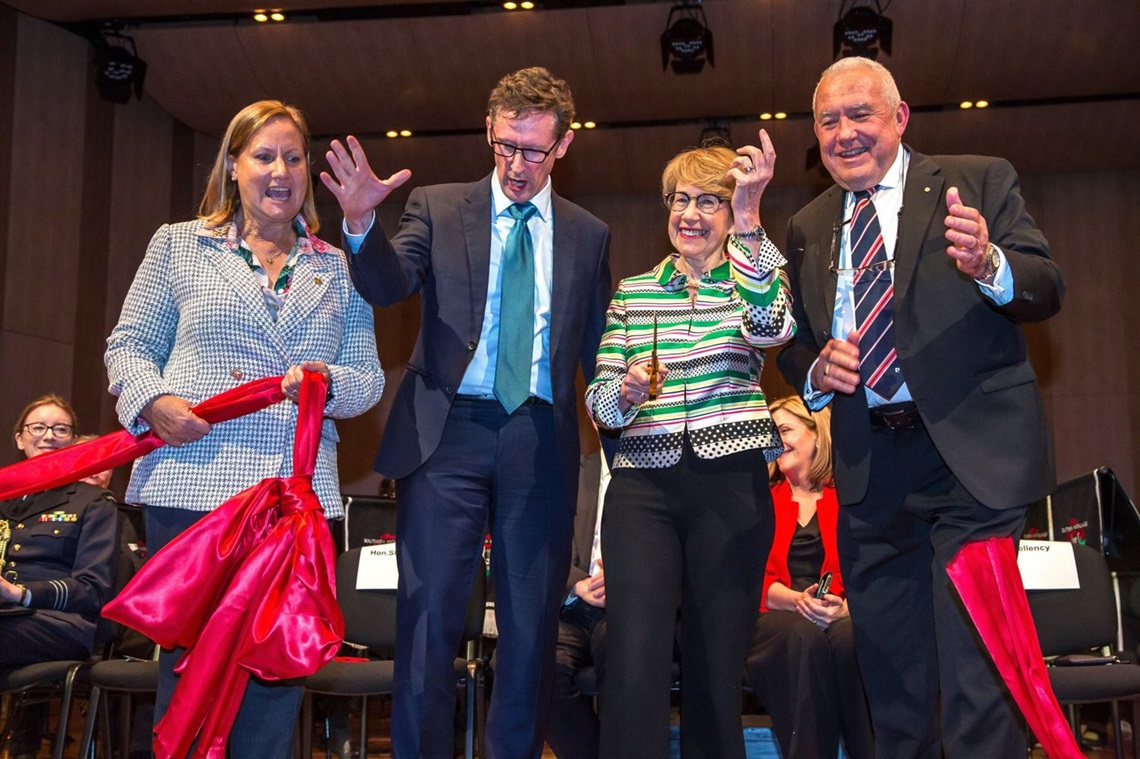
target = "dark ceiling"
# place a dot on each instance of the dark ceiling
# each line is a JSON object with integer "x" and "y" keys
{"x": 1061, "y": 76}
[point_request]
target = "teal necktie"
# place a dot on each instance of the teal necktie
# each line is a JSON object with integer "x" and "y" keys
{"x": 516, "y": 312}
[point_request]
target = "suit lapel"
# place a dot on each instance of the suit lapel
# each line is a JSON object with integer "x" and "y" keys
{"x": 923, "y": 200}
{"x": 565, "y": 242}
{"x": 819, "y": 281}
{"x": 236, "y": 274}
{"x": 475, "y": 214}
{"x": 45, "y": 502}
{"x": 311, "y": 281}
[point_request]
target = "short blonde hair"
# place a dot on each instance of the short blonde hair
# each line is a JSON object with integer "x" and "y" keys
{"x": 705, "y": 167}
{"x": 221, "y": 199}
{"x": 818, "y": 422}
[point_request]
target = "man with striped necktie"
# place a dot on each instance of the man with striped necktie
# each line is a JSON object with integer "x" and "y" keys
{"x": 910, "y": 278}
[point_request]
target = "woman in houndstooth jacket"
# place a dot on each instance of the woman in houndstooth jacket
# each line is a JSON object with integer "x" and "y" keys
{"x": 245, "y": 291}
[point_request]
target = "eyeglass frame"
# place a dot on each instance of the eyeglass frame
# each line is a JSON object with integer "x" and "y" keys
{"x": 720, "y": 201}
{"x": 521, "y": 150}
{"x": 854, "y": 271}
{"x": 875, "y": 268}
{"x": 46, "y": 427}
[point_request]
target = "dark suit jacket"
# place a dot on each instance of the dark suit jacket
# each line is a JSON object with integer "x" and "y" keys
{"x": 585, "y": 518}
{"x": 964, "y": 359}
{"x": 442, "y": 251}
{"x": 65, "y": 548}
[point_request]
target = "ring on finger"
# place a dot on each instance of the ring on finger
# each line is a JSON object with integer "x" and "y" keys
{"x": 827, "y": 369}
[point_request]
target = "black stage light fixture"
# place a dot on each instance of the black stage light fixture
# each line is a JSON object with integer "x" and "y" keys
{"x": 717, "y": 132}
{"x": 687, "y": 40}
{"x": 861, "y": 31}
{"x": 118, "y": 71}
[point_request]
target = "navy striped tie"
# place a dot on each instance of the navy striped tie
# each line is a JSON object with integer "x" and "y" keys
{"x": 874, "y": 293}
{"x": 516, "y": 312}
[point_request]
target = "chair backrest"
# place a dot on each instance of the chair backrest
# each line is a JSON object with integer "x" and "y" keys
{"x": 1073, "y": 621}
{"x": 370, "y": 615}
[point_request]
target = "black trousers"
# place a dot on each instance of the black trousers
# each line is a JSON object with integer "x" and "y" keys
{"x": 40, "y": 636}
{"x": 917, "y": 646}
{"x": 807, "y": 678}
{"x": 698, "y": 531}
{"x": 573, "y": 732}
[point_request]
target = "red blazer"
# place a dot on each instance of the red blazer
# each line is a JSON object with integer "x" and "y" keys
{"x": 787, "y": 512}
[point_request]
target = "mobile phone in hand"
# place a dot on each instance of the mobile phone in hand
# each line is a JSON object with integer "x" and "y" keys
{"x": 824, "y": 585}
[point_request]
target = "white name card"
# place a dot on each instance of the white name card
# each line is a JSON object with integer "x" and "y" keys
{"x": 377, "y": 569}
{"x": 1047, "y": 565}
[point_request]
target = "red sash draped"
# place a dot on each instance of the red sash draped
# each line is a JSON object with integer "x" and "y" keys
{"x": 248, "y": 590}
{"x": 987, "y": 578}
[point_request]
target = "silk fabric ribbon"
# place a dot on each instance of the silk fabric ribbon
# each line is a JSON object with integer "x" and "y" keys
{"x": 248, "y": 590}
{"x": 988, "y": 581}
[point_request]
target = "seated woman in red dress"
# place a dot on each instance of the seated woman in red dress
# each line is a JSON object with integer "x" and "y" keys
{"x": 802, "y": 663}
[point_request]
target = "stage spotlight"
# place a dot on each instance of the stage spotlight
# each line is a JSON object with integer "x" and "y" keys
{"x": 687, "y": 40}
{"x": 861, "y": 31}
{"x": 118, "y": 71}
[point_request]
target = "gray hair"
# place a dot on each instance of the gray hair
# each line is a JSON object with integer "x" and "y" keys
{"x": 887, "y": 87}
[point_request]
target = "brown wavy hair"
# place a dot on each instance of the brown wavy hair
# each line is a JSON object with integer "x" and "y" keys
{"x": 533, "y": 90}
{"x": 50, "y": 399}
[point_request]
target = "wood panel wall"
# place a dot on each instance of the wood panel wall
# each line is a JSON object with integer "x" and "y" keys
{"x": 84, "y": 184}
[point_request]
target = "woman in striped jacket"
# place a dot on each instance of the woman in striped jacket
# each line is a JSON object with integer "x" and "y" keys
{"x": 688, "y": 512}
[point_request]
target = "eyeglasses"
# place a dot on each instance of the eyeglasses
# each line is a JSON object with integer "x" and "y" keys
{"x": 707, "y": 203}
{"x": 39, "y": 429}
{"x": 530, "y": 155}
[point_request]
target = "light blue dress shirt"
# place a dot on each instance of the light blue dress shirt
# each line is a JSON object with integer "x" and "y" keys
{"x": 888, "y": 202}
{"x": 479, "y": 378}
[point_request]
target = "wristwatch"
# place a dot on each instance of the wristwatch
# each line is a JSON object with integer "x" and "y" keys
{"x": 752, "y": 234}
{"x": 993, "y": 260}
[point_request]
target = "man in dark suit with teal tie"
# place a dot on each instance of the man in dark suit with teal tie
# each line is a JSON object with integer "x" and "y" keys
{"x": 910, "y": 279}
{"x": 483, "y": 433}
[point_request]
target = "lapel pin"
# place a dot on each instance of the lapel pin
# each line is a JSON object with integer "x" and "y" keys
{"x": 318, "y": 280}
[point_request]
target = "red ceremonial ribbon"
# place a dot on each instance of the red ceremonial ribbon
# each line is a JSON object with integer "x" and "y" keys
{"x": 989, "y": 583}
{"x": 248, "y": 590}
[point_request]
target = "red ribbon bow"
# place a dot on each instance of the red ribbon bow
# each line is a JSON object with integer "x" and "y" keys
{"x": 248, "y": 590}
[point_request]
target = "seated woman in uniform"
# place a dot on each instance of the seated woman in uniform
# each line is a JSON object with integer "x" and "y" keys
{"x": 59, "y": 550}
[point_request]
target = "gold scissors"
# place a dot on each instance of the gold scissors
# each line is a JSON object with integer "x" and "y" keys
{"x": 654, "y": 374}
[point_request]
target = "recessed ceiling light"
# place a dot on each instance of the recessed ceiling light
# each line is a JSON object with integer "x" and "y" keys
{"x": 765, "y": 117}
{"x": 966, "y": 105}
{"x": 781, "y": 115}
{"x": 277, "y": 16}
{"x": 392, "y": 133}
{"x": 575, "y": 124}
{"x": 982, "y": 104}
{"x": 510, "y": 6}
{"x": 405, "y": 132}
{"x": 260, "y": 17}
{"x": 527, "y": 5}
{"x": 589, "y": 125}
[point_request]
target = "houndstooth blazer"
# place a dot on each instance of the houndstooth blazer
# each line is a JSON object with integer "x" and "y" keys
{"x": 194, "y": 324}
